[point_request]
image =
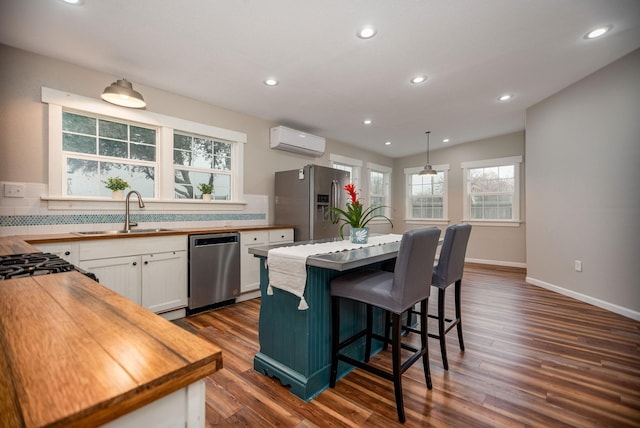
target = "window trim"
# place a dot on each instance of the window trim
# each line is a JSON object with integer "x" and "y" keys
{"x": 356, "y": 164}
{"x": 516, "y": 161}
{"x": 387, "y": 171}
{"x": 58, "y": 101}
{"x": 444, "y": 168}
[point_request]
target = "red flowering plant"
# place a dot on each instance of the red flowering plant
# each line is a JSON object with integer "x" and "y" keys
{"x": 356, "y": 215}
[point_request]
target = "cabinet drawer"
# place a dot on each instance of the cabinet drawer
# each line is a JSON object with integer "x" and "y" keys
{"x": 280, "y": 235}
{"x": 258, "y": 237}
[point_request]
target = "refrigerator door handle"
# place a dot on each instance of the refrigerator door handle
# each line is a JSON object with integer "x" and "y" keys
{"x": 335, "y": 197}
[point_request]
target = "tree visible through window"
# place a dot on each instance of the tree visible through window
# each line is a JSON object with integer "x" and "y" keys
{"x": 492, "y": 189}
{"x": 200, "y": 160}
{"x": 95, "y": 149}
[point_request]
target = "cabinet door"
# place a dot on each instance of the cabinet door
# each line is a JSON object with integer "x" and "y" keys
{"x": 164, "y": 281}
{"x": 65, "y": 250}
{"x": 120, "y": 274}
{"x": 249, "y": 265}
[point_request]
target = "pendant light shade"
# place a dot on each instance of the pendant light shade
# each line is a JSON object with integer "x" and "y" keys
{"x": 427, "y": 168}
{"x": 121, "y": 93}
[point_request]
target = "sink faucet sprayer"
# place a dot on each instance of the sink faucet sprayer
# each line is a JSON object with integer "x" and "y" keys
{"x": 128, "y": 223}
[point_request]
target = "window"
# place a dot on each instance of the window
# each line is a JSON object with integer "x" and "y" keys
{"x": 380, "y": 188}
{"x": 200, "y": 160}
{"x": 95, "y": 149}
{"x": 352, "y": 166}
{"x": 427, "y": 194}
{"x": 491, "y": 189}
{"x": 163, "y": 157}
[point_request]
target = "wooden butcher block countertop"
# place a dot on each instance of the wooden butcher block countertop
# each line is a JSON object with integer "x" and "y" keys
{"x": 74, "y": 353}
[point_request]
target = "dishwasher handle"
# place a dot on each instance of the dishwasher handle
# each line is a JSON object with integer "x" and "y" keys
{"x": 206, "y": 241}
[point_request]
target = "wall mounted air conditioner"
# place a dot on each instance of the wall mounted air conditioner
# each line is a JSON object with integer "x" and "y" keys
{"x": 283, "y": 138}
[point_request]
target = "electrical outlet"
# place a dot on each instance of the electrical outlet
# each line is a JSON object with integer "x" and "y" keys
{"x": 577, "y": 264}
{"x": 13, "y": 190}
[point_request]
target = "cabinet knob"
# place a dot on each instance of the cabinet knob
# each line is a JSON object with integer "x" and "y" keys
{"x": 146, "y": 262}
{"x": 135, "y": 263}
{"x": 66, "y": 253}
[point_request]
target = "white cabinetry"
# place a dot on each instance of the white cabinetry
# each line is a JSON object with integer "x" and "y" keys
{"x": 250, "y": 265}
{"x": 149, "y": 271}
{"x": 66, "y": 250}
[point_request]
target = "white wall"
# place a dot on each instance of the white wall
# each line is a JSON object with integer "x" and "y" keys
{"x": 583, "y": 188}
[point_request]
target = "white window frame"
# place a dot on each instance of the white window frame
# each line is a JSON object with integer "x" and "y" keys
{"x": 408, "y": 172}
{"x": 516, "y": 161}
{"x": 355, "y": 164}
{"x": 386, "y": 171}
{"x": 58, "y": 101}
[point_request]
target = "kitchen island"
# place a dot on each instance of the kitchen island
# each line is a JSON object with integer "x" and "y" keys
{"x": 74, "y": 353}
{"x": 295, "y": 345}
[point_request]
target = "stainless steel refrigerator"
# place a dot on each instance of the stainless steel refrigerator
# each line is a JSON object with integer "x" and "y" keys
{"x": 303, "y": 197}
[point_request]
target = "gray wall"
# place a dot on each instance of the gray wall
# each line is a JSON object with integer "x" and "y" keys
{"x": 502, "y": 245}
{"x": 583, "y": 188}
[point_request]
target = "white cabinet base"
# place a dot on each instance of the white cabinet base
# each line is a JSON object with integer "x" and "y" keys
{"x": 183, "y": 408}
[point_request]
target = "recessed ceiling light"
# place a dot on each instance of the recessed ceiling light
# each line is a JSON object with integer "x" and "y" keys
{"x": 598, "y": 32}
{"x": 505, "y": 97}
{"x": 271, "y": 82}
{"x": 387, "y": 143}
{"x": 418, "y": 79}
{"x": 366, "y": 32}
{"x": 74, "y": 2}
{"x": 446, "y": 140}
{"x": 367, "y": 121}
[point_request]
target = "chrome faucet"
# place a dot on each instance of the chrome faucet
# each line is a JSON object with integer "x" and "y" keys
{"x": 128, "y": 224}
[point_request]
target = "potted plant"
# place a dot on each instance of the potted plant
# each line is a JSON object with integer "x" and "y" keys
{"x": 206, "y": 190}
{"x": 357, "y": 216}
{"x": 116, "y": 185}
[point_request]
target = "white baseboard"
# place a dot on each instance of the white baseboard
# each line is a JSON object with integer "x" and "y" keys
{"x": 496, "y": 263}
{"x": 248, "y": 296}
{"x": 635, "y": 315}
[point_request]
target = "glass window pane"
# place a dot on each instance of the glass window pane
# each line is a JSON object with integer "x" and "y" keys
{"x": 143, "y": 135}
{"x": 112, "y": 129}
{"x": 181, "y": 157}
{"x": 142, "y": 179}
{"x": 78, "y": 143}
{"x": 77, "y": 123}
{"x": 506, "y": 171}
{"x": 82, "y": 177}
{"x": 182, "y": 142}
{"x": 202, "y": 153}
{"x": 119, "y": 149}
{"x": 222, "y": 187}
{"x": 143, "y": 152}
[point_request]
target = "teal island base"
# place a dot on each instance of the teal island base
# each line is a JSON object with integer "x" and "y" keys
{"x": 295, "y": 345}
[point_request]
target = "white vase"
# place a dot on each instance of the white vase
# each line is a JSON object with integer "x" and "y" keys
{"x": 359, "y": 235}
{"x": 117, "y": 194}
{"x": 206, "y": 196}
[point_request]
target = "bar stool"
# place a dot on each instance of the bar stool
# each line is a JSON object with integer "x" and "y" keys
{"x": 394, "y": 292}
{"x": 449, "y": 270}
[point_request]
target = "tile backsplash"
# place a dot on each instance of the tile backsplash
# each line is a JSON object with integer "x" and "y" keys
{"x": 31, "y": 215}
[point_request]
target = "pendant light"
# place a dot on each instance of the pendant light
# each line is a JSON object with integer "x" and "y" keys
{"x": 427, "y": 168}
{"x": 121, "y": 93}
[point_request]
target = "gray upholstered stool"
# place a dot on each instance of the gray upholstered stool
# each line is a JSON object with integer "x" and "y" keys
{"x": 394, "y": 292}
{"x": 449, "y": 270}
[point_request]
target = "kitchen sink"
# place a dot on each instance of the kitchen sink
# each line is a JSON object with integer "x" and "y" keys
{"x": 120, "y": 232}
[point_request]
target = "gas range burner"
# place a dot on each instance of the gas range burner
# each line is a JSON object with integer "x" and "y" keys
{"x": 31, "y": 264}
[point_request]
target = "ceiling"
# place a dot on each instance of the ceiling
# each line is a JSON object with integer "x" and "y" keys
{"x": 220, "y": 52}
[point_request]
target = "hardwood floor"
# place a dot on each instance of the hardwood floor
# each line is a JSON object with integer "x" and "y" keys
{"x": 533, "y": 358}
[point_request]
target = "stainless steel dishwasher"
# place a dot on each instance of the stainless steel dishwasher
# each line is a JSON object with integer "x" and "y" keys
{"x": 214, "y": 270}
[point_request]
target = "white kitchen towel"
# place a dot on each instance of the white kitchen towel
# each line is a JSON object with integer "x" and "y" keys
{"x": 288, "y": 265}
